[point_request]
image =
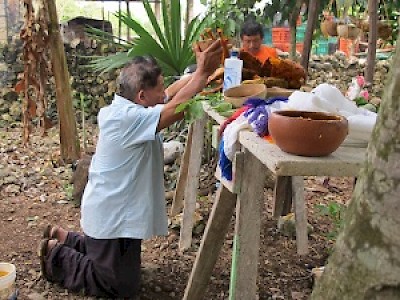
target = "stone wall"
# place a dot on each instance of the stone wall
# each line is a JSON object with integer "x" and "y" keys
{"x": 98, "y": 89}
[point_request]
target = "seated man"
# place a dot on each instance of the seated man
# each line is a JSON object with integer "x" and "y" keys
{"x": 252, "y": 35}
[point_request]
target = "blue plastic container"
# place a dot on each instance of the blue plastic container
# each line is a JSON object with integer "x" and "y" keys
{"x": 267, "y": 36}
{"x": 301, "y": 32}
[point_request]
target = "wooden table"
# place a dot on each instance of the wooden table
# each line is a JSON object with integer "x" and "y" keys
{"x": 245, "y": 193}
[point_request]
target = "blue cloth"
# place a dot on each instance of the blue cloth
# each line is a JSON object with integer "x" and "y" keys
{"x": 257, "y": 116}
{"x": 258, "y": 113}
{"x": 224, "y": 163}
{"x": 124, "y": 196}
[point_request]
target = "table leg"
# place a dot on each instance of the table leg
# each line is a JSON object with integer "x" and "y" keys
{"x": 179, "y": 195}
{"x": 211, "y": 244}
{"x": 282, "y": 196}
{"x": 192, "y": 183}
{"x": 247, "y": 231}
{"x": 300, "y": 214}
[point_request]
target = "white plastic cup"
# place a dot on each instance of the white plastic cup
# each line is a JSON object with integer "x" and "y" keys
{"x": 7, "y": 281}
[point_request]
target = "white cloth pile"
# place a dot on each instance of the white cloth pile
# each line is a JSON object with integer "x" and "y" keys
{"x": 328, "y": 98}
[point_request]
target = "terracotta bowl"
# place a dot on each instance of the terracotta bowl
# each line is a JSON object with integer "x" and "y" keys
{"x": 239, "y": 94}
{"x": 307, "y": 133}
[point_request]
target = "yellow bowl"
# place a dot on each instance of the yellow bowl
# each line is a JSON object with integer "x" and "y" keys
{"x": 239, "y": 94}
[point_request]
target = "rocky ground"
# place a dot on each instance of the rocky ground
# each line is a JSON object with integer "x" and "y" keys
{"x": 35, "y": 191}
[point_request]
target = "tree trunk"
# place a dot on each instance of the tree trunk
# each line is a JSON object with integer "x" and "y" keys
{"x": 312, "y": 19}
{"x": 365, "y": 263}
{"x": 372, "y": 37}
{"x": 69, "y": 141}
{"x": 293, "y": 24}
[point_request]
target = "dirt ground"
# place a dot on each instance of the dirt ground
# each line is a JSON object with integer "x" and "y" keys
{"x": 34, "y": 191}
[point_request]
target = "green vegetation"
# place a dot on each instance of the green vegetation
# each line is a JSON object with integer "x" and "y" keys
{"x": 335, "y": 211}
{"x": 169, "y": 45}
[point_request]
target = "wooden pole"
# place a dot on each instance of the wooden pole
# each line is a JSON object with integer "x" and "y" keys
{"x": 128, "y": 11}
{"x": 372, "y": 37}
{"x": 312, "y": 19}
{"x": 157, "y": 10}
{"x": 69, "y": 141}
{"x": 119, "y": 21}
{"x": 189, "y": 12}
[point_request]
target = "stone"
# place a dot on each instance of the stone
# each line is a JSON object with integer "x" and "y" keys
{"x": 80, "y": 177}
{"x": 172, "y": 150}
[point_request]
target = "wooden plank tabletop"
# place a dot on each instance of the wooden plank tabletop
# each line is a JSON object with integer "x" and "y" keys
{"x": 345, "y": 161}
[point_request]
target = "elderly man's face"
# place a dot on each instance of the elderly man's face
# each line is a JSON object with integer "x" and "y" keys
{"x": 156, "y": 95}
{"x": 252, "y": 43}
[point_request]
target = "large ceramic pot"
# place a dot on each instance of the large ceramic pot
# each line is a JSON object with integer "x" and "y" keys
{"x": 329, "y": 28}
{"x": 307, "y": 133}
{"x": 348, "y": 31}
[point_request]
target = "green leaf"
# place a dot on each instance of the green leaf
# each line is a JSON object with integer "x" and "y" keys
{"x": 171, "y": 48}
{"x": 107, "y": 63}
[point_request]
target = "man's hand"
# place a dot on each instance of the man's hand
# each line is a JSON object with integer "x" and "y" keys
{"x": 209, "y": 59}
{"x": 207, "y": 62}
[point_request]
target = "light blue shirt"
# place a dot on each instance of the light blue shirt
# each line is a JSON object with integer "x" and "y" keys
{"x": 124, "y": 196}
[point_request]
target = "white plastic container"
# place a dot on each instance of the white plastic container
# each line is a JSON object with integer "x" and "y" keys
{"x": 232, "y": 71}
{"x": 7, "y": 281}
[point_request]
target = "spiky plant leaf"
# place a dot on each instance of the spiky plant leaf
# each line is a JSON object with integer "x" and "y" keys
{"x": 172, "y": 50}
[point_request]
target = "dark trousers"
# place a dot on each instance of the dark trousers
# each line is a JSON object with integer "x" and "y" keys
{"x": 103, "y": 268}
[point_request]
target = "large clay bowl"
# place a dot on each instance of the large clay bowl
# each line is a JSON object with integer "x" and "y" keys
{"x": 307, "y": 133}
{"x": 239, "y": 94}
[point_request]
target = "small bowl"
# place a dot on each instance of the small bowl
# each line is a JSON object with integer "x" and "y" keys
{"x": 307, "y": 133}
{"x": 7, "y": 280}
{"x": 239, "y": 94}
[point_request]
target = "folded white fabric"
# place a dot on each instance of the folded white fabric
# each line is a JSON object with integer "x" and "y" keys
{"x": 231, "y": 135}
{"x": 328, "y": 98}
{"x": 361, "y": 126}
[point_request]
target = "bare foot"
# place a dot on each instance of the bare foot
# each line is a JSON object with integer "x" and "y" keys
{"x": 59, "y": 234}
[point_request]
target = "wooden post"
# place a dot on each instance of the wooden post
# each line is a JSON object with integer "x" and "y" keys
{"x": 247, "y": 231}
{"x": 211, "y": 244}
{"x": 179, "y": 195}
{"x": 372, "y": 37}
{"x": 282, "y": 196}
{"x": 69, "y": 141}
{"x": 300, "y": 214}
{"x": 312, "y": 18}
{"x": 192, "y": 183}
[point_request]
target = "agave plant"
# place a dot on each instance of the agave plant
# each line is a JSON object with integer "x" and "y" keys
{"x": 169, "y": 45}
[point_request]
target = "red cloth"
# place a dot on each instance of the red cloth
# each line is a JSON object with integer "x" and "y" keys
{"x": 232, "y": 118}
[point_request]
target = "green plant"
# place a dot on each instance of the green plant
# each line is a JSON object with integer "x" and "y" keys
{"x": 335, "y": 211}
{"x": 194, "y": 109}
{"x": 170, "y": 46}
{"x": 230, "y": 15}
{"x": 68, "y": 190}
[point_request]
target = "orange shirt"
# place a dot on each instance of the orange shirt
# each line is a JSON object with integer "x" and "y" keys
{"x": 265, "y": 52}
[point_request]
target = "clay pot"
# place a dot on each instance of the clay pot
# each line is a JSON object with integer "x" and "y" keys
{"x": 348, "y": 31}
{"x": 239, "y": 94}
{"x": 329, "y": 28}
{"x": 384, "y": 30}
{"x": 307, "y": 133}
